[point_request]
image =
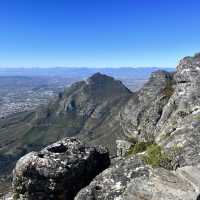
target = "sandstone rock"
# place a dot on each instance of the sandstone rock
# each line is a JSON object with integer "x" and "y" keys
{"x": 167, "y": 111}
{"x": 130, "y": 179}
{"x": 143, "y": 111}
{"x": 122, "y": 147}
{"x": 7, "y": 196}
{"x": 113, "y": 181}
{"x": 179, "y": 125}
{"x": 58, "y": 171}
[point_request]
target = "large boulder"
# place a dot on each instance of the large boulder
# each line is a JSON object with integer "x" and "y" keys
{"x": 130, "y": 179}
{"x": 58, "y": 171}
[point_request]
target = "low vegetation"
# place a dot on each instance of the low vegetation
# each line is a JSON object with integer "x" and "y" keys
{"x": 156, "y": 157}
{"x": 196, "y": 117}
{"x": 138, "y": 147}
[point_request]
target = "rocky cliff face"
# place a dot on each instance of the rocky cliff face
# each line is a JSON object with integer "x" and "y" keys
{"x": 131, "y": 179}
{"x": 179, "y": 124}
{"x": 166, "y": 112}
{"x": 161, "y": 123}
{"x": 143, "y": 111}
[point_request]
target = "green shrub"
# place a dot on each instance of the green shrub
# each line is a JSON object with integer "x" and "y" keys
{"x": 197, "y": 117}
{"x": 156, "y": 158}
{"x": 154, "y": 155}
{"x": 138, "y": 147}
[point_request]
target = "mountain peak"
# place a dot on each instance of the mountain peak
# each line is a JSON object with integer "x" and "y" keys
{"x": 98, "y": 77}
{"x": 103, "y": 86}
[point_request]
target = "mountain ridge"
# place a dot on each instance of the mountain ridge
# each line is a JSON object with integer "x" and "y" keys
{"x": 161, "y": 119}
{"x": 84, "y": 109}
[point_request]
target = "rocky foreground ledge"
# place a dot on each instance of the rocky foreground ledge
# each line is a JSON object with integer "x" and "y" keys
{"x": 131, "y": 179}
{"x": 70, "y": 170}
{"x": 58, "y": 171}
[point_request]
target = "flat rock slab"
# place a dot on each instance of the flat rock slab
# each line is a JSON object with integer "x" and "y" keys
{"x": 58, "y": 171}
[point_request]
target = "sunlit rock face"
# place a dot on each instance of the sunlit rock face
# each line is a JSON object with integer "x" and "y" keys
{"x": 131, "y": 179}
{"x": 167, "y": 111}
{"x": 179, "y": 125}
{"x": 122, "y": 147}
{"x": 189, "y": 69}
{"x": 143, "y": 111}
{"x": 59, "y": 171}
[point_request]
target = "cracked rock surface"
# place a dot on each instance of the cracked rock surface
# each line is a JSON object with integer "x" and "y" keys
{"x": 58, "y": 171}
{"x": 130, "y": 179}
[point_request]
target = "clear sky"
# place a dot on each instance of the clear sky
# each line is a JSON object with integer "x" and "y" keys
{"x": 98, "y": 33}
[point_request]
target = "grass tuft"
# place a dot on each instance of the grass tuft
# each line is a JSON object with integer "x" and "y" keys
{"x": 138, "y": 147}
{"x": 156, "y": 158}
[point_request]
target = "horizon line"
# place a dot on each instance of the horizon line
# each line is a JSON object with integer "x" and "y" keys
{"x": 84, "y": 67}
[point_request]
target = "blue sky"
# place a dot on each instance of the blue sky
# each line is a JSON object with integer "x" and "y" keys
{"x": 98, "y": 33}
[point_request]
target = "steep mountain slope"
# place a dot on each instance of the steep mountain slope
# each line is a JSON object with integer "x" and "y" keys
{"x": 143, "y": 111}
{"x": 179, "y": 125}
{"x": 88, "y": 109}
{"x": 167, "y": 111}
{"x": 169, "y": 116}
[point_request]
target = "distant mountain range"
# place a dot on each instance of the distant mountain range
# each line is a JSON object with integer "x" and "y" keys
{"x": 123, "y": 72}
